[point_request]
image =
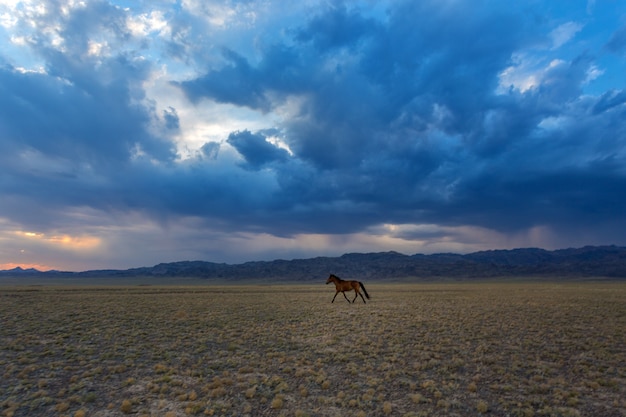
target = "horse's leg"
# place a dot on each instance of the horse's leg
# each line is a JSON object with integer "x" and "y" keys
{"x": 361, "y": 296}
{"x": 356, "y": 294}
{"x": 344, "y": 295}
{"x": 334, "y": 297}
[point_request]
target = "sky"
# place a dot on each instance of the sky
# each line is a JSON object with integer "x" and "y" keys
{"x": 140, "y": 132}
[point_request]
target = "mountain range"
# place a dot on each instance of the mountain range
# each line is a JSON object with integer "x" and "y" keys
{"x": 587, "y": 262}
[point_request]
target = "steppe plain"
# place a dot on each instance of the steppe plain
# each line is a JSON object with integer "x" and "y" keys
{"x": 453, "y": 349}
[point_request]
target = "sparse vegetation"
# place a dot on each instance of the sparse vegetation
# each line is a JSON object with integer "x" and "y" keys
{"x": 414, "y": 350}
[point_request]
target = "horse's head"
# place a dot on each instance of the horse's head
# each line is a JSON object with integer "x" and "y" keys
{"x": 330, "y": 279}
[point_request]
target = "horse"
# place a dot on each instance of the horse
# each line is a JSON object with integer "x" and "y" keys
{"x": 342, "y": 286}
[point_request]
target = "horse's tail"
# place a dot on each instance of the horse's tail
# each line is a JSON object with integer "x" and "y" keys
{"x": 364, "y": 290}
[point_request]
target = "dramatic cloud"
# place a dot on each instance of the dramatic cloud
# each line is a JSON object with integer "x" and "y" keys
{"x": 131, "y": 135}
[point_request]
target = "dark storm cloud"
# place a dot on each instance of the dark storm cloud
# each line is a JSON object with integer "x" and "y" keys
{"x": 171, "y": 119}
{"x": 337, "y": 28}
{"x": 399, "y": 117}
{"x": 236, "y": 83}
{"x": 84, "y": 120}
{"x": 65, "y": 131}
{"x": 402, "y": 121}
{"x": 83, "y": 107}
{"x": 255, "y": 148}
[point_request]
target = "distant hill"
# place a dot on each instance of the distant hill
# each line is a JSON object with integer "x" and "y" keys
{"x": 586, "y": 262}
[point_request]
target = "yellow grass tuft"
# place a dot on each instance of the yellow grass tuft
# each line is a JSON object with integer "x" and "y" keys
{"x": 277, "y": 403}
{"x": 126, "y": 407}
{"x": 61, "y": 407}
{"x": 482, "y": 407}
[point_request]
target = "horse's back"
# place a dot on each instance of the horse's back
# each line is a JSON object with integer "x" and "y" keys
{"x": 344, "y": 285}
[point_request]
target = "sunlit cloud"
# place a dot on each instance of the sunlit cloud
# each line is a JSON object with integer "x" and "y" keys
{"x": 147, "y": 23}
{"x": 67, "y": 242}
{"x": 593, "y": 72}
{"x": 98, "y": 48}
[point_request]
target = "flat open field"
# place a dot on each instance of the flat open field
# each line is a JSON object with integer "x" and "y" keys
{"x": 413, "y": 350}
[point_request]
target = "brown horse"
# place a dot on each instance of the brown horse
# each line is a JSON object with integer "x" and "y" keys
{"x": 342, "y": 286}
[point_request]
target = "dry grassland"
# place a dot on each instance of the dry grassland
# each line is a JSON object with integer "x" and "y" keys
{"x": 413, "y": 350}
